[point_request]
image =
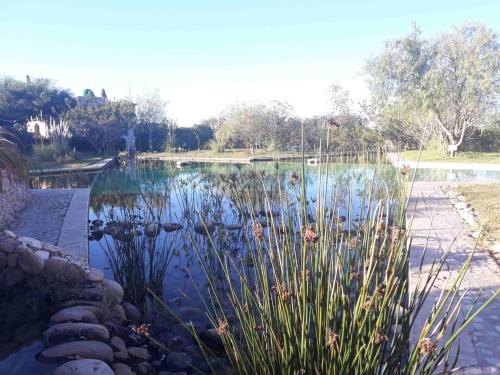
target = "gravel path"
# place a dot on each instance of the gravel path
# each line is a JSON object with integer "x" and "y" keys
{"x": 56, "y": 216}
{"x": 44, "y": 216}
{"x": 436, "y": 218}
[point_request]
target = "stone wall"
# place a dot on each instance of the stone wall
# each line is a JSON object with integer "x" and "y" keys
{"x": 13, "y": 197}
{"x": 87, "y": 327}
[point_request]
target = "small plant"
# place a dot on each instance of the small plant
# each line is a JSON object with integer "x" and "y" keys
{"x": 10, "y": 158}
{"x": 216, "y": 146}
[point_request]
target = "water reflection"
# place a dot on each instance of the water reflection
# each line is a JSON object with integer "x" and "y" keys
{"x": 148, "y": 219}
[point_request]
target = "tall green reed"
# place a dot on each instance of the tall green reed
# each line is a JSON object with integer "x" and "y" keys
{"x": 330, "y": 293}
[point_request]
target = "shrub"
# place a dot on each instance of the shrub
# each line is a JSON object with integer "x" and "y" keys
{"x": 10, "y": 158}
{"x": 216, "y": 147}
{"x": 49, "y": 151}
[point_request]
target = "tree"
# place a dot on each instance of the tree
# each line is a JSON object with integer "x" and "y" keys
{"x": 185, "y": 138}
{"x": 340, "y": 100}
{"x": 104, "y": 125}
{"x": 280, "y": 126}
{"x": 203, "y": 133}
{"x": 21, "y": 100}
{"x": 152, "y": 113}
{"x": 243, "y": 126}
{"x": 450, "y": 82}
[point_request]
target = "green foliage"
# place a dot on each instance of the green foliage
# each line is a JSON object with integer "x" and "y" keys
{"x": 185, "y": 139}
{"x": 150, "y": 137}
{"x": 489, "y": 139}
{"x": 21, "y": 100}
{"x": 216, "y": 147}
{"x": 10, "y": 157}
{"x": 49, "y": 151}
{"x": 204, "y": 134}
{"x": 103, "y": 125}
{"x": 316, "y": 295}
{"x": 443, "y": 86}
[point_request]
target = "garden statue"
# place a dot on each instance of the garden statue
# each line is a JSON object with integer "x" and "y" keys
{"x": 130, "y": 142}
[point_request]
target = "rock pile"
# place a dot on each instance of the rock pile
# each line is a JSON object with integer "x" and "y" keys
{"x": 25, "y": 258}
{"x": 91, "y": 329}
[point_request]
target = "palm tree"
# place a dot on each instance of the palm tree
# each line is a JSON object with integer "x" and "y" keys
{"x": 11, "y": 159}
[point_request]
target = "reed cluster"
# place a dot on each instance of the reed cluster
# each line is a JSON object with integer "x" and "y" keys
{"x": 324, "y": 286}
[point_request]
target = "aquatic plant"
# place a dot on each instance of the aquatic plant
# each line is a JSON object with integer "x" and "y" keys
{"x": 327, "y": 291}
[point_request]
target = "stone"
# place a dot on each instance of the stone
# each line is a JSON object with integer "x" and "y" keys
{"x": 118, "y": 344}
{"x": 172, "y": 227}
{"x": 122, "y": 355}
{"x": 119, "y": 313}
{"x": 12, "y": 260}
{"x": 34, "y": 281}
{"x": 42, "y": 254}
{"x": 30, "y": 263}
{"x": 10, "y": 277}
{"x": 144, "y": 368}
{"x": 82, "y": 349}
{"x": 122, "y": 369}
{"x": 217, "y": 366}
{"x": 192, "y": 314}
{"x": 112, "y": 291}
{"x": 134, "y": 339}
{"x": 31, "y": 242}
{"x": 7, "y": 244}
{"x": 27, "y": 331}
{"x": 53, "y": 250}
{"x": 3, "y": 260}
{"x": 63, "y": 332}
{"x": 84, "y": 367}
{"x": 178, "y": 361}
{"x": 87, "y": 294}
{"x": 139, "y": 353}
{"x": 79, "y": 314}
{"x": 94, "y": 275}
{"x": 152, "y": 229}
{"x": 195, "y": 352}
{"x": 20, "y": 248}
{"x": 204, "y": 229}
{"x": 212, "y": 338}
{"x": 10, "y": 234}
{"x": 132, "y": 312}
{"x": 57, "y": 268}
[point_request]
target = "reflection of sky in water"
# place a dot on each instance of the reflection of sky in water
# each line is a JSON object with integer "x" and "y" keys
{"x": 465, "y": 175}
{"x": 181, "y": 195}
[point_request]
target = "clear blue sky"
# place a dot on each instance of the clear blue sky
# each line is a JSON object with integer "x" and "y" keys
{"x": 203, "y": 55}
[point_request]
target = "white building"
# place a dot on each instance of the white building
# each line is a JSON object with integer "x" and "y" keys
{"x": 38, "y": 127}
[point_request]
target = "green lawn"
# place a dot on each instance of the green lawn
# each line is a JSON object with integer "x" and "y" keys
{"x": 82, "y": 162}
{"x": 463, "y": 157}
{"x": 237, "y": 153}
{"x": 486, "y": 201}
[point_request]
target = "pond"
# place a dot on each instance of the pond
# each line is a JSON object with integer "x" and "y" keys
{"x": 168, "y": 212}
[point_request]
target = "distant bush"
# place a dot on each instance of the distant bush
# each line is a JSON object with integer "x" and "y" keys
{"x": 489, "y": 140}
{"x": 50, "y": 151}
{"x": 158, "y": 137}
{"x": 216, "y": 147}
